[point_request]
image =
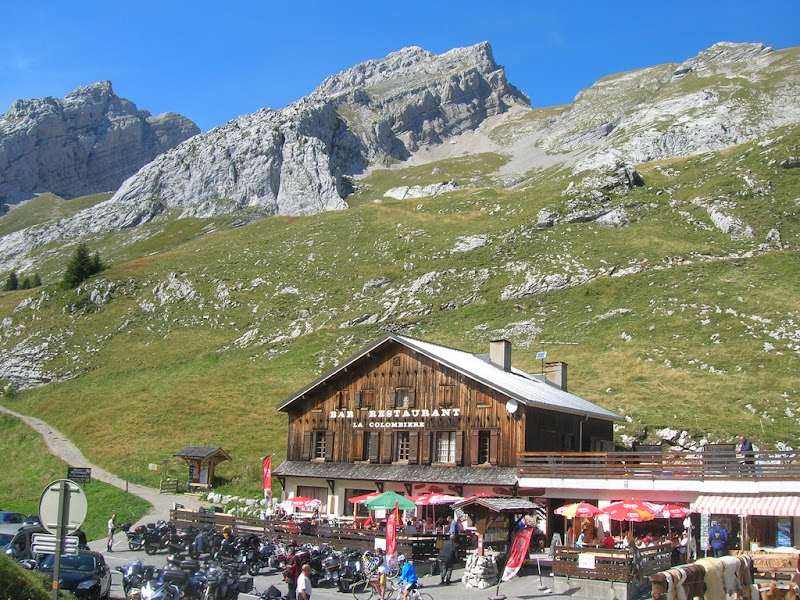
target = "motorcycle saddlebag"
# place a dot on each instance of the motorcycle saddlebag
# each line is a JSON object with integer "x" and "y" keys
{"x": 176, "y": 577}
{"x": 245, "y": 585}
{"x": 273, "y": 593}
{"x": 190, "y": 565}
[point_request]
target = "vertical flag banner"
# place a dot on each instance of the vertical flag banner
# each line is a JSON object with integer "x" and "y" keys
{"x": 391, "y": 535}
{"x": 519, "y": 550}
{"x": 266, "y": 468}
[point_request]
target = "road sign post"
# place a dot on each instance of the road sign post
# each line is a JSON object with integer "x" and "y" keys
{"x": 62, "y": 509}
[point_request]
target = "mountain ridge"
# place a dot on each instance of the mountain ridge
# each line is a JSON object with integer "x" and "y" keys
{"x": 88, "y": 142}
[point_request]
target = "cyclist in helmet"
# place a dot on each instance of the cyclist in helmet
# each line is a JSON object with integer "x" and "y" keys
{"x": 408, "y": 576}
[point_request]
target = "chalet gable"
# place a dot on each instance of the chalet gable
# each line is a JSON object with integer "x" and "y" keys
{"x": 496, "y": 374}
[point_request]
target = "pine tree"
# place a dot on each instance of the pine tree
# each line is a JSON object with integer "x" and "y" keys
{"x": 78, "y": 268}
{"x": 37, "y": 281}
{"x": 26, "y": 284}
{"x": 95, "y": 265}
{"x": 12, "y": 283}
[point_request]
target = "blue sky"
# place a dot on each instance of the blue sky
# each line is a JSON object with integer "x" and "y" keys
{"x": 214, "y": 61}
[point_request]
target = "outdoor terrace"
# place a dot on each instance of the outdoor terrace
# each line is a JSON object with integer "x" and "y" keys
{"x": 717, "y": 464}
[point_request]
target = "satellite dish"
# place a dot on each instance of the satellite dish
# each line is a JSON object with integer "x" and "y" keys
{"x": 511, "y": 406}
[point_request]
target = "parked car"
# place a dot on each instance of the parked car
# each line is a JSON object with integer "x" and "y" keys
{"x": 7, "y": 516}
{"x": 32, "y": 520}
{"x": 19, "y": 539}
{"x": 85, "y": 575}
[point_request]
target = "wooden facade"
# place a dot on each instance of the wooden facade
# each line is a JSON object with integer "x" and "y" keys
{"x": 396, "y": 405}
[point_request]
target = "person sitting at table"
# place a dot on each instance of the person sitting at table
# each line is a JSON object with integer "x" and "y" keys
{"x": 411, "y": 529}
{"x": 368, "y": 523}
{"x": 608, "y": 540}
{"x": 582, "y": 540}
{"x": 428, "y": 526}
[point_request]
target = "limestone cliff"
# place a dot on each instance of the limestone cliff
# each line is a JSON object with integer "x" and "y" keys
{"x": 89, "y": 142}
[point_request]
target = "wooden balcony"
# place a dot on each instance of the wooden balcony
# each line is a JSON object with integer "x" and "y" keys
{"x": 775, "y": 465}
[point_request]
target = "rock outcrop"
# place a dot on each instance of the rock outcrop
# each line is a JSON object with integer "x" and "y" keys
{"x": 89, "y": 142}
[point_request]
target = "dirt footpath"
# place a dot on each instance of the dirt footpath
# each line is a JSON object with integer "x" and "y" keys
{"x": 60, "y": 446}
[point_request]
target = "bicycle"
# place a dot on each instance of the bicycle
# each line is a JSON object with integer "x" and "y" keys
{"x": 414, "y": 594}
{"x": 367, "y": 588}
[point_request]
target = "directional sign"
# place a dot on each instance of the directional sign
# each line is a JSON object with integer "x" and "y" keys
{"x": 43, "y": 543}
{"x": 74, "y": 503}
{"x": 79, "y": 474}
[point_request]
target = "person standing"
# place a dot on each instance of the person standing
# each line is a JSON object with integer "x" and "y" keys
{"x": 718, "y": 539}
{"x": 448, "y": 554}
{"x": 111, "y": 527}
{"x": 383, "y": 572}
{"x": 304, "y": 583}
{"x": 291, "y": 572}
{"x": 746, "y": 449}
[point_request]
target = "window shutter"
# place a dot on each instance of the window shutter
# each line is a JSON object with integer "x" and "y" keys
{"x": 412, "y": 398}
{"x": 388, "y": 445}
{"x": 459, "y": 444}
{"x": 329, "y": 445}
{"x": 306, "y": 451}
{"x": 494, "y": 442}
{"x": 374, "y": 446}
{"x": 360, "y": 401}
{"x": 413, "y": 444}
{"x": 357, "y": 447}
{"x": 393, "y": 398}
{"x": 473, "y": 447}
{"x": 426, "y": 448}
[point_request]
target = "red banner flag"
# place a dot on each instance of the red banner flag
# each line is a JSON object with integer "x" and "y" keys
{"x": 391, "y": 535}
{"x": 519, "y": 550}
{"x": 266, "y": 468}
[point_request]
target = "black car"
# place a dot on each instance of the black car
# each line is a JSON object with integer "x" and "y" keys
{"x": 86, "y": 575}
{"x": 6, "y": 516}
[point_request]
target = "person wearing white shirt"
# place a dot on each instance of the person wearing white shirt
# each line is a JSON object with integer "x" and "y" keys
{"x": 304, "y": 583}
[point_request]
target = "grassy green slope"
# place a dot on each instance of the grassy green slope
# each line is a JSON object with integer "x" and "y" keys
{"x": 675, "y": 323}
{"x": 29, "y": 468}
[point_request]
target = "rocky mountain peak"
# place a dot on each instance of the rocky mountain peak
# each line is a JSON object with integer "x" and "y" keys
{"x": 89, "y": 142}
{"x": 720, "y": 54}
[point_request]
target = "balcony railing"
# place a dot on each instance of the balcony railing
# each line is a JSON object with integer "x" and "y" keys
{"x": 777, "y": 465}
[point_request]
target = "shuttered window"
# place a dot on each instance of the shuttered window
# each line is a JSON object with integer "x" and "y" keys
{"x": 484, "y": 446}
{"x": 402, "y": 446}
{"x": 366, "y": 398}
{"x": 404, "y": 398}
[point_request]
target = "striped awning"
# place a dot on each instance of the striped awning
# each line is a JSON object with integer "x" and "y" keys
{"x": 748, "y": 505}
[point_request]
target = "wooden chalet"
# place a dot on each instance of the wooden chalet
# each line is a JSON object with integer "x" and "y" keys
{"x": 414, "y": 417}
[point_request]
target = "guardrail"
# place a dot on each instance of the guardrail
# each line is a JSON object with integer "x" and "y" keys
{"x": 776, "y": 465}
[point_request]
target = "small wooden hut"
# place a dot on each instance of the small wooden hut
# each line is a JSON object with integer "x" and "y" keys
{"x": 202, "y": 461}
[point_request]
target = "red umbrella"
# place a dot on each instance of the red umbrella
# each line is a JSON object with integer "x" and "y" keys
{"x": 581, "y": 510}
{"x": 632, "y": 510}
{"x": 674, "y": 511}
{"x": 434, "y": 499}
{"x": 302, "y": 502}
{"x": 480, "y": 495}
{"x": 362, "y": 499}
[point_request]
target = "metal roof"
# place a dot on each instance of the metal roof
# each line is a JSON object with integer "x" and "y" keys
{"x": 516, "y": 384}
{"x": 499, "y": 476}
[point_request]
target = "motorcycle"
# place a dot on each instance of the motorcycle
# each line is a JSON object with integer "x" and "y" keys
{"x": 224, "y": 582}
{"x": 205, "y": 542}
{"x": 157, "y": 537}
{"x": 255, "y": 553}
{"x": 135, "y": 537}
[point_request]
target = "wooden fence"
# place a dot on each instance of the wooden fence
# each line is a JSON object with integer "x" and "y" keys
{"x": 610, "y": 564}
{"x": 419, "y": 547}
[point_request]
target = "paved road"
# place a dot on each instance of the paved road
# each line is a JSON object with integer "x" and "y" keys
{"x": 525, "y": 586}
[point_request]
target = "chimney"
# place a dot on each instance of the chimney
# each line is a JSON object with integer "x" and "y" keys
{"x": 555, "y": 373}
{"x": 500, "y": 354}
